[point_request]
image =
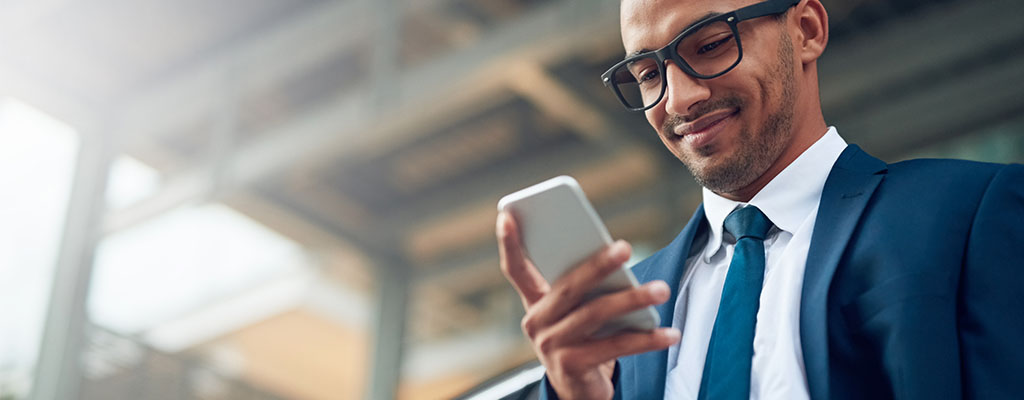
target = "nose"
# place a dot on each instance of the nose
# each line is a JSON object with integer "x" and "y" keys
{"x": 682, "y": 91}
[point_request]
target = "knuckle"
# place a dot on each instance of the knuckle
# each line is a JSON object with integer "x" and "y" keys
{"x": 618, "y": 341}
{"x": 598, "y": 310}
{"x": 545, "y": 343}
{"x": 529, "y": 326}
{"x": 564, "y": 292}
{"x": 590, "y": 312}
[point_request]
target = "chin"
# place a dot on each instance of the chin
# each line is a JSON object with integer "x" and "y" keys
{"x": 722, "y": 174}
{"x": 709, "y": 157}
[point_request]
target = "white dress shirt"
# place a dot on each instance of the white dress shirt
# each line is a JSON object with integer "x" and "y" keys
{"x": 790, "y": 201}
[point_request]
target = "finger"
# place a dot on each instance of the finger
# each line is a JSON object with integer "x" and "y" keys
{"x": 578, "y": 326}
{"x": 591, "y": 316}
{"x": 568, "y": 291}
{"x": 597, "y": 352}
{"x": 514, "y": 264}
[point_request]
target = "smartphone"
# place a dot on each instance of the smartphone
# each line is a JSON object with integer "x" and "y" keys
{"x": 559, "y": 229}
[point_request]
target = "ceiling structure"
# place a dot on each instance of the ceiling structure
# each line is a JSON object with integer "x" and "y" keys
{"x": 380, "y": 134}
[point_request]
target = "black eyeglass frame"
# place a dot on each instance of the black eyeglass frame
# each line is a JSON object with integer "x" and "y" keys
{"x": 669, "y": 52}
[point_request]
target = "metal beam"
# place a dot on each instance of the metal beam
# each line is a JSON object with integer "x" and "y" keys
{"x": 438, "y": 91}
{"x": 533, "y": 82}
{"x": 444, "y": 206}
{"x": 606, "y": 143}
{"x": 308, "y": 39}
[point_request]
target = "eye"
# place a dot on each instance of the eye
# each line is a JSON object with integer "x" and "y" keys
{"x": 648, "y": 75}
{"x": 707, "y": 48}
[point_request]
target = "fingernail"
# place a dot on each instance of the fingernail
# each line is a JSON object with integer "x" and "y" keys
{"x": 672, "y": 334}
{"x": 619, "y": 250}
{"x": 659, "y": 289}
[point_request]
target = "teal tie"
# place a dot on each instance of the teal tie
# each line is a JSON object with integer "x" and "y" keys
{"x": 727, "y": 366}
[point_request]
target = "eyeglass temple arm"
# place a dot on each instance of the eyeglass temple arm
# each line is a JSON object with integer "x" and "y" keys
{"x": 761, "y": 9}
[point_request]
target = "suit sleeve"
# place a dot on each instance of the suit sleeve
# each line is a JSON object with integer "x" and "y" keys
{"x": 547, "y": 392}
{"x": 991, "y": 306}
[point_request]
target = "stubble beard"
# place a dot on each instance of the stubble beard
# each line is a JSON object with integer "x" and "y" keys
{"x": 755, "y": 153}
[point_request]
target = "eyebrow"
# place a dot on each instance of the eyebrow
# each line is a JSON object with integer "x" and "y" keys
{"x": 688, "y": 26}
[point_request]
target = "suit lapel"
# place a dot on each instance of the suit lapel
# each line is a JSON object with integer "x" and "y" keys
{"x": 649, "y": 369}
{"x": 849, "y": 186}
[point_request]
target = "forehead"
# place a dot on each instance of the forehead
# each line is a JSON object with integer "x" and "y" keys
{"x": 651, "y": 24}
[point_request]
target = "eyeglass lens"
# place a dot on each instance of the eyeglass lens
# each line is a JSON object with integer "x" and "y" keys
{"x": 709, "y": 51}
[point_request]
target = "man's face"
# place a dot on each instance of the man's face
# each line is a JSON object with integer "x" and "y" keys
{"x": 728, "y": 130}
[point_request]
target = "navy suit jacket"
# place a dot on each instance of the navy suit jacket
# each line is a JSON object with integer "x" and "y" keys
{"x": 913, "y": 289}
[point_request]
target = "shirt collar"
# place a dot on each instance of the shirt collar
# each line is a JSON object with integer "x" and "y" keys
{"x": 788, "y": 198}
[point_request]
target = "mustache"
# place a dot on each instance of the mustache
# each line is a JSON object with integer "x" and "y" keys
{"x": 702, "y": 109}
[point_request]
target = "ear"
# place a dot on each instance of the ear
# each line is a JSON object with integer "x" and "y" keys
{"x": 811, "y": 30}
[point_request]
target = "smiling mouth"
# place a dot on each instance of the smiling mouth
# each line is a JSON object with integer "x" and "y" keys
{"x": 704, "y": 124}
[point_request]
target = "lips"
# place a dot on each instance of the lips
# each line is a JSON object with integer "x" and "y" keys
{"x": 703, "y": 124}
{"x": 703, "y": 130}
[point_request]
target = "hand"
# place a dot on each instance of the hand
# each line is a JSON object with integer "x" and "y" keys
{"x": 560, "y": 329}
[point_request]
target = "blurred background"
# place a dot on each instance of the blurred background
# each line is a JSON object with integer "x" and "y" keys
{"x": 295, "y": 199}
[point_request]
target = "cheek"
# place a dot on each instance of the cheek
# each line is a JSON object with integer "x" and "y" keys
{"x": 765, "y": 91}
{"x": 656, "y": 117}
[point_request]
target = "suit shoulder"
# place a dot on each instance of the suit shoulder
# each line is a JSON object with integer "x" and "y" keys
{"x": 935, "y": 173}
{"x": 947, "y": 167}
{"x": 941, "y": 182}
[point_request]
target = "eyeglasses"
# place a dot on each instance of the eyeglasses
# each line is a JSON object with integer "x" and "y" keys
{"x": 705, "y": 50}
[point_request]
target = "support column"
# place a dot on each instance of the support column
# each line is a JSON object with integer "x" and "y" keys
{"x": 392, "y": 282}
{"x": 393, "y": 279}
{"x": 58, "y": 372}
{"x": 393, "y": 286}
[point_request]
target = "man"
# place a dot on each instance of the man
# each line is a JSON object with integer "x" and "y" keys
{"x": 811, "y": 270}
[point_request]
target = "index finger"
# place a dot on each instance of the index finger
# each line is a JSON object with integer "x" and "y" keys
{"x": 519, "y": 271}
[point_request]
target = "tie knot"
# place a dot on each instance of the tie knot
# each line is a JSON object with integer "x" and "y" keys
{"x": 748, "y": 221}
